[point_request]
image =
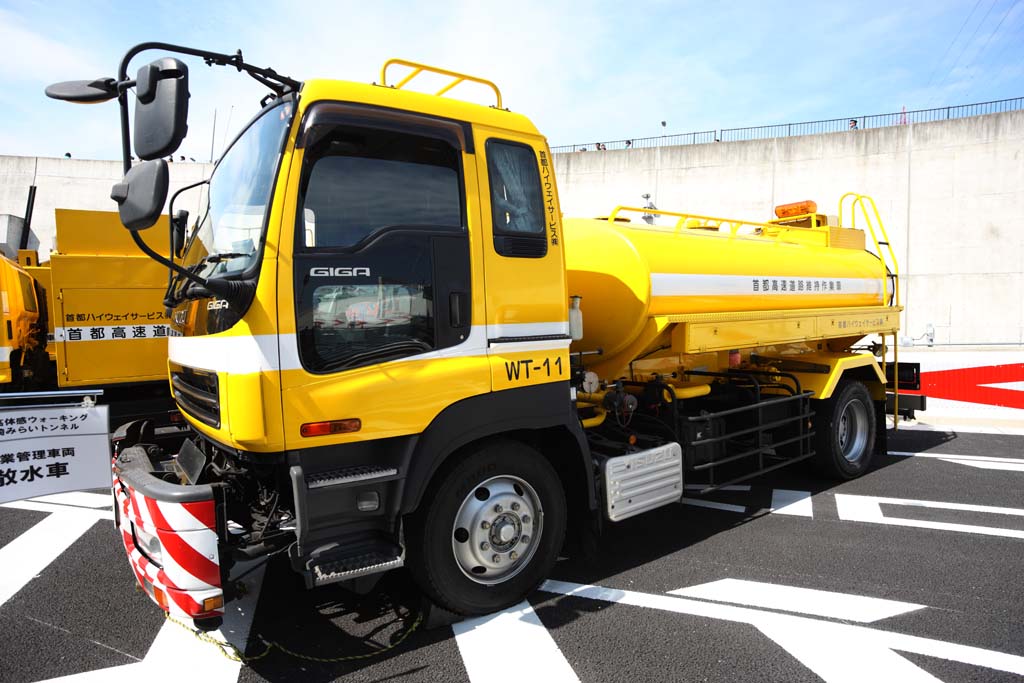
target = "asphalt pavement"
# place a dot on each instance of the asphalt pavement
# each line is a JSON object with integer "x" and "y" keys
{"x": 913, "y": 572}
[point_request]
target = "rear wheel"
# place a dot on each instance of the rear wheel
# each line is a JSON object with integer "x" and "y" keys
{"x": 844, "y": 428}
{"x": 491, "y": 531}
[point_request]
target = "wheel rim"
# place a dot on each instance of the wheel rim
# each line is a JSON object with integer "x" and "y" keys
{"x": 853, "y": 431}
{"x": 497, "y": 529}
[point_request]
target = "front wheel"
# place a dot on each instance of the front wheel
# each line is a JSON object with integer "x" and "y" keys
{"x": 491, "y": 530}
{"x": 844, "y": 428}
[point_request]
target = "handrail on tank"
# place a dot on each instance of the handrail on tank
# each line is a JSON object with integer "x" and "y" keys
{"x": 862, "y": 201}
{"x": 417, "y": 69}
{"x": 772, "y": 230}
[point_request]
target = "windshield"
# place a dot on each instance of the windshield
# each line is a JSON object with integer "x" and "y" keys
{"x": 239, "y": 197}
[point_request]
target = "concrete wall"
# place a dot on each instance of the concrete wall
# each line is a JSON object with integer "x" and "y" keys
{"x": 74, "y": 184}
{"x": 951, "y": 194}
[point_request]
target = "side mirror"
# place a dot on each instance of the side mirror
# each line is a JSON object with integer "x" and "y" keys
{"x": 83, "y": 92}
{"x": 179, "y": 223}
{"x": 141, "y": 195}
{"x": 161, "y": 108}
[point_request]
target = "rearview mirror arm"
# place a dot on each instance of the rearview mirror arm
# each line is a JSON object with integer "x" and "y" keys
{"x": 267, "y": 77}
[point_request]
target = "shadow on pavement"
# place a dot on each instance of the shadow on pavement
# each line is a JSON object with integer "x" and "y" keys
{"x": 331, "y": 622}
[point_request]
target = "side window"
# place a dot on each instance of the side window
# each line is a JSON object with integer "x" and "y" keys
{"x": 28, "y": 292}
{"x": 362, "y": 181}
{"x": 517, "y": 205}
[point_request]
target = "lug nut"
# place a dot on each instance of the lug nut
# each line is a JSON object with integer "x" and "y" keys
{"x": 498, "y": 508}
{"x": 495, "y": 559}
{"x": 524, "y": 539}
{"x": 485, "y": 546}
{"x": 513, "y": 556}
{"x": 485, "y": 525}
{"x": 515, "y": 506}
{"x": 526, "y": 519}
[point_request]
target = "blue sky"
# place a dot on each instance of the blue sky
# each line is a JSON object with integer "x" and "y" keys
{"x": 582, "y": 71}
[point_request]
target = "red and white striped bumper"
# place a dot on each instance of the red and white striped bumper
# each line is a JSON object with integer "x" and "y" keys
{"x": 185, "y": 580}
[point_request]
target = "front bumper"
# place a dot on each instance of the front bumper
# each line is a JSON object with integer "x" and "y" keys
{"x": 186, "y": 580}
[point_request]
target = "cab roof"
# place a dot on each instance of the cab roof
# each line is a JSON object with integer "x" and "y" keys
{"x": 317, "y": 90}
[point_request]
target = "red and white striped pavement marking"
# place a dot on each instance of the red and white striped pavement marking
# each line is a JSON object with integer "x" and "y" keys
{"x": 992, "y": 385}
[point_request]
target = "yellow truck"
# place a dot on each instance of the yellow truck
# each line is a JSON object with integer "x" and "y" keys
{"x": 90, "y": 317}
{"x": 392, "y": 349}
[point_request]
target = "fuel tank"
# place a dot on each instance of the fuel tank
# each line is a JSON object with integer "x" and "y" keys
{"x": 630, "y": 273}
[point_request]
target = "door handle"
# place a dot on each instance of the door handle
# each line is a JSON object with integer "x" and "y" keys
{"x": 456, "y": 302}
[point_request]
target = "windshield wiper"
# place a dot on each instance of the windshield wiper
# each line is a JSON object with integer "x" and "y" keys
{"x": 176, "y": 293}
{"x": 226, "y": 256}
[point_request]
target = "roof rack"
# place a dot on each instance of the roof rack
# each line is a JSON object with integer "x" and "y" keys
{"x": 417, "y": 69}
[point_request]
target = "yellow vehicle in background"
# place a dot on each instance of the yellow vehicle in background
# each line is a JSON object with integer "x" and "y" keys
{"x": 393, "y": 351}
{"x": 90, "y": 317}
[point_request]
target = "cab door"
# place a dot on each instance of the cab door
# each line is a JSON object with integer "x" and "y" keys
{"x": 381, "y": 281}
{"x": 526, "y": 297}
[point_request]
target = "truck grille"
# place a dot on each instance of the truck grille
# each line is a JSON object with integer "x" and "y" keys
{"x": 197, "y": 394}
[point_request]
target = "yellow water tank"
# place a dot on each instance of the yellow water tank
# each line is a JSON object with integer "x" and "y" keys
{"x": 629, "y": 273}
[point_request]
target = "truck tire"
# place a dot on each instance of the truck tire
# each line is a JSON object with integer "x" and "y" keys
{"x": 491, "y": 531}
{"x": 844, "y": 426}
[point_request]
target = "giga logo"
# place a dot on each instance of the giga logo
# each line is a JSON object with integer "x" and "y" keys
{"x": 338, "y": 272}
{"x": 217, "y": 304}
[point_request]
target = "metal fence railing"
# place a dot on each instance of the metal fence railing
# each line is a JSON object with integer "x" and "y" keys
{"x": 641, "y": 143}
{"x": 784, "y": 130}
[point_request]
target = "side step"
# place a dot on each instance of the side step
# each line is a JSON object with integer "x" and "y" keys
{"x": 348, "y": 475}
{"x": 638, "y": 482}
{"x": 340, "y": 563}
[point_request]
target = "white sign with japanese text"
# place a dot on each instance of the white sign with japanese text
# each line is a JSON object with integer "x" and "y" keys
{"x": 55, "y": 449}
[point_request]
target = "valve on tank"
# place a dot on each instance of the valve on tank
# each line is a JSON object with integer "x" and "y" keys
{"x": 620, "y": 404}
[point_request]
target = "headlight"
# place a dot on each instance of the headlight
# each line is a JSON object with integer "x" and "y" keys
{"x": 149, "y": 544}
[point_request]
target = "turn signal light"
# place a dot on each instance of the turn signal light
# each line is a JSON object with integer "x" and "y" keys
{"x": 333, "y": 427}
{"x": 160, "y": 597}
{"x": 796, "y": 209}
{"x": 210, "y": 604}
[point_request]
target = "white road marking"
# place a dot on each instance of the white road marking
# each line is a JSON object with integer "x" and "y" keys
{"x": 1012, "y": 386}
{"x": 838, "y": 656}
{"x": 701, "y": 503}
{"x": 733, "y": 487}
{"x": 857, "y": 508}
{"x": 987, "y": 465}
{"x": 957, "y": 456}
{"x": 821, "y": 603}
{"x": 952, "y": 428}
{"x": 28, "y": 555}
{"x": 79, "y": 499}
{"x": 789, "y": 502}
{"x": 34, "y": 505}
{"x": 485, "y": 643}
{"x": 789, "y": 627}
{"x": 177, "y": 655}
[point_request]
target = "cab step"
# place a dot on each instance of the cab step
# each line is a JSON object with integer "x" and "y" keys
{"x": 341, "y": 563}
{"x": 348, "y": 475}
